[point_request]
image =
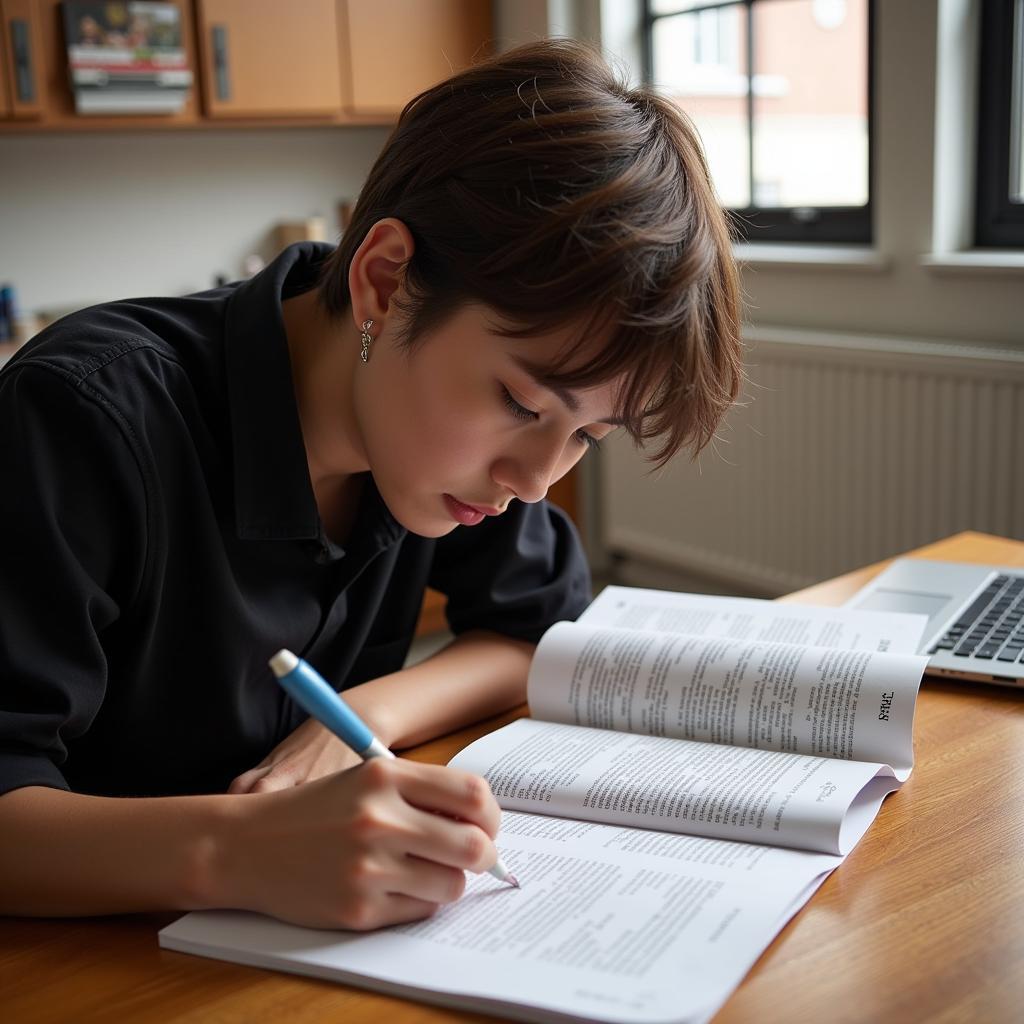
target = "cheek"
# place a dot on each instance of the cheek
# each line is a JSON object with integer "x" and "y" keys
{"x": 450, "y": 430}
{"x": 422, "y": 426}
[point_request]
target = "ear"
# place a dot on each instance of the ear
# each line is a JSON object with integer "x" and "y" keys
{"x": 378, "y": 269}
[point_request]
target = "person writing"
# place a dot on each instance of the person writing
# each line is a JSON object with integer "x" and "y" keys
{"x": 191, "y": 484}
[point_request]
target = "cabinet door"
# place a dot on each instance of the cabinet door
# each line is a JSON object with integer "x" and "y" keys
{"x": 21, "y": 95}
{"x": 264, "y": 58}
{"x": 398, "y": 48}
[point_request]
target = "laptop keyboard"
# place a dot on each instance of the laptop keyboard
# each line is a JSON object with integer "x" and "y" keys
{"x": 992, "y": 628}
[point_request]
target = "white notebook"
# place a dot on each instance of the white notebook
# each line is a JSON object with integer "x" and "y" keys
{"x": 693, "y": 769}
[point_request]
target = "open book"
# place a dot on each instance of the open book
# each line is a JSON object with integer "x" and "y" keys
{"x": 693, "y": 769}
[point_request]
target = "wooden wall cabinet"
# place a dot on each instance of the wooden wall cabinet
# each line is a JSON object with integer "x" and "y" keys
{"x": 341, "y": 58}
{"x": 21, "y": 94}
{"x": 397, "y": 48}
{"x": 265, "y": 58}
{"x": 263, "y": 62}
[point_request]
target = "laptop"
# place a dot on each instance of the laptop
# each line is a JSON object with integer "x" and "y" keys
{"x": 975, "y": 615}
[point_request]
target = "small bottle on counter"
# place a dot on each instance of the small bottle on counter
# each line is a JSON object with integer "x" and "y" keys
{"x": 7, "y": 314}
{"x": 16, "y": 327}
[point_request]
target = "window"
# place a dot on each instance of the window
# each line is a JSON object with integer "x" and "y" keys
{"x": 999, "y": 219}
{"x": 780, "y": 91}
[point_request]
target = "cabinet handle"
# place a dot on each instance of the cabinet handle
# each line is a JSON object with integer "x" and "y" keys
{"x": 220, "y": 61}
{"x": 23, "y": 76}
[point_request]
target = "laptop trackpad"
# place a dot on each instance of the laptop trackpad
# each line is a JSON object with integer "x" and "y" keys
{"x": 883, "y": 600}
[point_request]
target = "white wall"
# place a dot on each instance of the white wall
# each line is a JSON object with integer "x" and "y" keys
{"x": 86, "y": 218}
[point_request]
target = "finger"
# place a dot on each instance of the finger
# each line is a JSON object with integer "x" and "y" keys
{"x": 245, "y": 781}
{"x": 454, "y": 844}
{"x": 451, "y": 792}
{"x": 428, "y": 882}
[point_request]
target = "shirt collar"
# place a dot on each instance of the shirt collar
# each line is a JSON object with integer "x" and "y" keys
{"x": 273, "y": 493}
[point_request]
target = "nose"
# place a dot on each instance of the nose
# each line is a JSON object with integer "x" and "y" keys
{"x": 530, "y": 469}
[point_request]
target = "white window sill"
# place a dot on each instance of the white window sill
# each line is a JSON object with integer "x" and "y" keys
{"x": 810, "y": 256}
{"x": 975, "y": 261}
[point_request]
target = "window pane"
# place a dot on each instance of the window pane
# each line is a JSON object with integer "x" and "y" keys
{"x": 699, "y": 61}
{"x": 810, "y": 103}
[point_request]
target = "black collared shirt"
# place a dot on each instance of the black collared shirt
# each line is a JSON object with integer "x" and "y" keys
{"x": 159, "y": 540}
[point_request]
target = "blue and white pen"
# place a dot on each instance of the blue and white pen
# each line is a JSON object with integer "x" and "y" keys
{"x": 314, "y": 694}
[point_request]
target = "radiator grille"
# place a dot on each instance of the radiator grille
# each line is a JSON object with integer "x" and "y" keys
{"x": 848, "y": 450}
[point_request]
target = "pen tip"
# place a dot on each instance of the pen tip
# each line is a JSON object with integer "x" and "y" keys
{"x": 283, "y": 662}
{"x": 512, "y": 880}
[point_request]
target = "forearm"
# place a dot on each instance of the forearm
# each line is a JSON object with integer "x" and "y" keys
{"x": 67, "y": 854}
{"x": 478, "y": 675}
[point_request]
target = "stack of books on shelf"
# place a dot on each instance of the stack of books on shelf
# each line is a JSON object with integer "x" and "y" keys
{"x": 126, "y": 58}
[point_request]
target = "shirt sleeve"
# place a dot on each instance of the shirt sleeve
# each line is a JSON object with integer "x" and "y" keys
{"x": 71, "y": 553}
{"x": 516, "y": 574}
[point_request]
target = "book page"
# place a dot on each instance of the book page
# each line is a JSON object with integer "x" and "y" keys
{"x": 827, "y": 702}
{"x": 744, "y": 618}
{"x": 760, "y": 796}
{"x": 611, "y": 924}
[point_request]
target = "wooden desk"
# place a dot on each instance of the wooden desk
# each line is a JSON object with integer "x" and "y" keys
{"x": 924, "y": 921}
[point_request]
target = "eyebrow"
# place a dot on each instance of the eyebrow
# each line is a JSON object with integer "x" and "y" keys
{"x": 564, "y": 394}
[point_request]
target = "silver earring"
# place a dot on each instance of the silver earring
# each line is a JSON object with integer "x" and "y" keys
{"x": 365, "y": 338}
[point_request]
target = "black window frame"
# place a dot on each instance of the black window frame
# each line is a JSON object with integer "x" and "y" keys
{"x": 833, "y": 224}
{"x": 998, "y": 223}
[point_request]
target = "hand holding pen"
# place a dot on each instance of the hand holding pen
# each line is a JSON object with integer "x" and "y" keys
{"x": 388, "y": 842}
{"x": 317, "y": 697}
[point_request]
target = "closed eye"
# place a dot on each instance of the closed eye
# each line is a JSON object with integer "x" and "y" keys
{"x": 519, "y": 411}
{"x": 522, "y": 413}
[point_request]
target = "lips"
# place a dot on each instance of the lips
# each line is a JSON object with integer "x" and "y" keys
{"x": 466, "y": 514}
{"x": 486, "y": 510}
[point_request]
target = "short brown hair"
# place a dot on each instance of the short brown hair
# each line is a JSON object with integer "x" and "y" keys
{"x": 537, "y": 184}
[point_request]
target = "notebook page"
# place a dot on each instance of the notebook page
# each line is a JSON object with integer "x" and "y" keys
{"x": 742, "y": 618}
{"x": 611, "y": 924}
{"x": 831, "y": 702}
{"x": 758, "y": 796}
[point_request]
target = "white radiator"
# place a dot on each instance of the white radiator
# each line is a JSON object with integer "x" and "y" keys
{"x": 848, "y": 450}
